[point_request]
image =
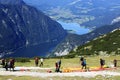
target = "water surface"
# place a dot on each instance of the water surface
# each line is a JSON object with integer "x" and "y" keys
{"x": 74, "y": 27}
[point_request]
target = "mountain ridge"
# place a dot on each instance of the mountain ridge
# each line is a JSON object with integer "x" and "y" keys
{"x": 89, "y": 13}
{"x": 25, "y": 26}
{"x": 104, "y": 45}
{"x": 12, "y": 2}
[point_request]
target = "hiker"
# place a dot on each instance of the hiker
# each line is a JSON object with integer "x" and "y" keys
{"x": 3, "y": 63}
{"x": 6, "y": 65}
{"x": 41, "y": 62}
{"x": 36, "y": 61}
{"x": 11, "y": 64}
{"x": 84, "y": 63}
{"x": 57, "y": 67}
{"x": 102, "y": 62}
{"x": 81, "y": 58}
{"x": 0, "y": 61}
{"x": 59, "y": 63}
{"x": 115, "y": 62}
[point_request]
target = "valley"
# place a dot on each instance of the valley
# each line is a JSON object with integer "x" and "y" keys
{"x": 88, "y": 13}
{"x": 74, "y": 28}
{"x": 40, "y": 28}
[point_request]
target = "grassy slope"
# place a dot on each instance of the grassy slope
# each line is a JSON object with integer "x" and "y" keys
{"x": 109, "y": 44}
{"x": 72, "y": 62}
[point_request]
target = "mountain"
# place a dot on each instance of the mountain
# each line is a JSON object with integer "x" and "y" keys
{"x": 72, "y": 41}
{"x": 12, "y": 2}
{"x": 26, "y": 31}
{"x": 105, "y": 44}
{"x": 89, "y": 13}
{"x": 48, "y": 2}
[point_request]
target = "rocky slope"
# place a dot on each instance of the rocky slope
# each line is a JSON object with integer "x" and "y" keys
{"x": 23, "y": 26}
{"x": 72, "y": 41}
{"x": 106, "y": 44}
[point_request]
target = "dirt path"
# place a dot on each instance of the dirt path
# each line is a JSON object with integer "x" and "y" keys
{"x": 45, "y": 74}
{"x": 38, "y": 74}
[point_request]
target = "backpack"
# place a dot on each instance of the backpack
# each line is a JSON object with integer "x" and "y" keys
{"x": 103, "y": 62}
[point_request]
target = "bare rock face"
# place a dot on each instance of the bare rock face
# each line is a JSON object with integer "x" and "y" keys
{"x": 23, "y": 26}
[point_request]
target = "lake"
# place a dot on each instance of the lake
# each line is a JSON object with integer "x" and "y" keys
{"x": 74, "y": 27}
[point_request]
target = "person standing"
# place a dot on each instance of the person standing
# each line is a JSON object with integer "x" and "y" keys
{"x": 102, "y": 63}
{"x": 6, "y": 65}
{"x": 3, "y": 63}
{"x": 12, "y": 64}
{"x": 56, "y": 67}
{"x": 84, "y": 64}
{"x": 41, "y": 62}
{"x": 36, "y": 61}
{"x": 59, "y": 63}
{"x": 115, "y": 62}
{"x": 81, "y": 59}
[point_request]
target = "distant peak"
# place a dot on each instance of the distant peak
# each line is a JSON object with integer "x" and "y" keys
{"x": 11, "y": 2}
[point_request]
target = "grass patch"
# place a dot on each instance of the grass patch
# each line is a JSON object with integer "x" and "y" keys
{"x": 72, "y": 62}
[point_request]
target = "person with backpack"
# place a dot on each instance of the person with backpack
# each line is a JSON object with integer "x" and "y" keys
{"x": 102, "y": 63}
{"x": 11, "y": 64}
{"x": 56, "y": 67}
{"x": 84, "y": 65}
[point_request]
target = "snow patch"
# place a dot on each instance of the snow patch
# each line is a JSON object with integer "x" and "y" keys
{"x": 27, "y": 42}
{"x": 19, "y": 27}
{"x": 74, "y": 2}
{"x": 28, "y": 22}
{"x": 16, "y": 16}
{"x": 90, "y": 3}
{"x": 61, "y": 53}
{"x": 25, "y": 7}
{"x": 114, "y": 30}
{"x": 5, "y": 10}
{"x": 12, "y": 20}
{"x": 4, "y": 23}
{"x": 116, "y": 20}
{"x": 1, "y": 36}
